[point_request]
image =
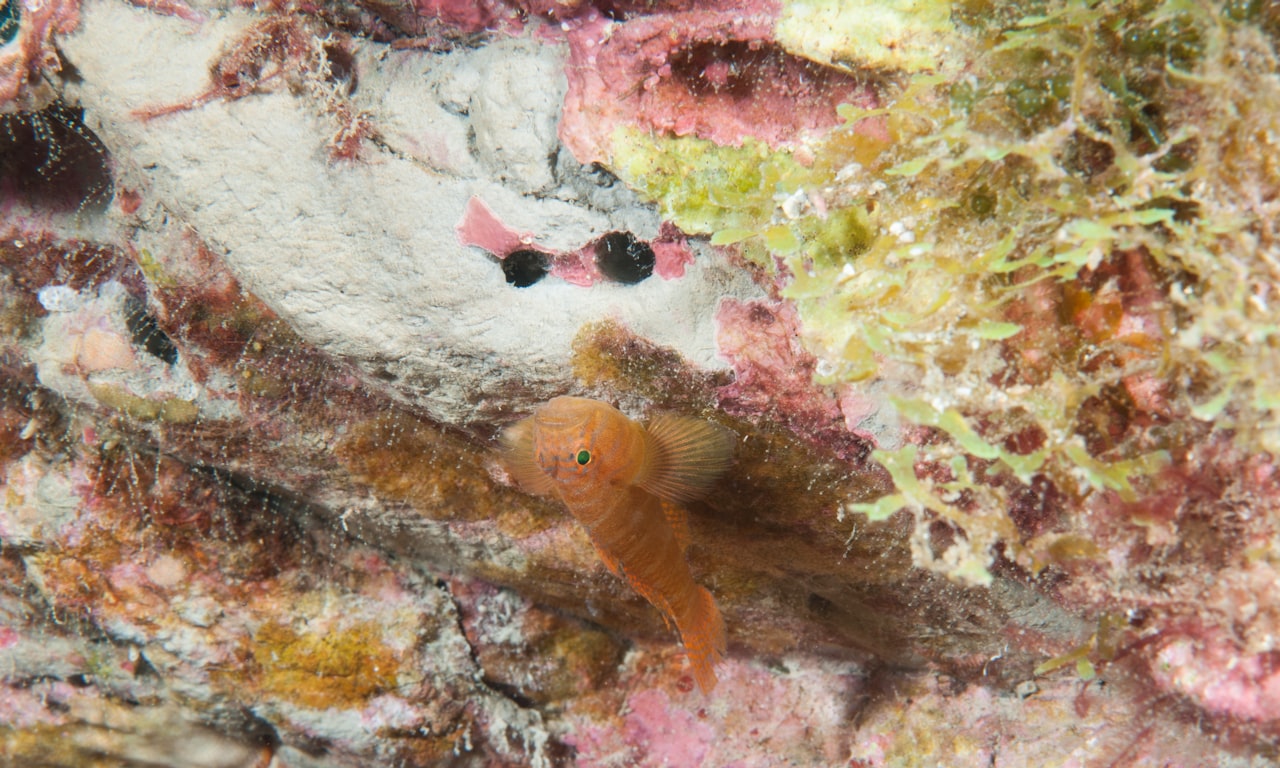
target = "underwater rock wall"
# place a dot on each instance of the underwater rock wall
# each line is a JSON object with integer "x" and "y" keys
{"x": 983, "y": 290}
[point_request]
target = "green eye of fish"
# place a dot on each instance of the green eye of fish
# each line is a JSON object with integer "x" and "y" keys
{"x": 583, "y": 458}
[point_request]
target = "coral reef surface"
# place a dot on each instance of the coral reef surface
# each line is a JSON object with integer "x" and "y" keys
{"x": 983, "y": 289}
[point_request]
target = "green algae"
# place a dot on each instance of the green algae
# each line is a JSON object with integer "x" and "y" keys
{"x": 702, "y": 187}
{"x": 964, "y": 259}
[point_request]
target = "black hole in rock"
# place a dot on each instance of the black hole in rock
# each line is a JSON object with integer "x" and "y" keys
{"x": 621, "y": 10}
{"x": 10, "y": 20}
{"x": 623, "y": 258}
{"x": 511, "y": 692}
{"x": 146, "y": 332}
{"x": 603, "y": 176}
{"x": 144, "y": 668}
{"x": 52, "y": 158}
{"x": 523, "y": 268}
{"x": 342, "y": 66}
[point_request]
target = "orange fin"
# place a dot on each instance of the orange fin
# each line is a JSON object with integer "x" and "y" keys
{"x": 678, "y": 519}
{"x": 687, "y": 455}
{"x": 518, "y": 458}
{"x": 703, "y": 635}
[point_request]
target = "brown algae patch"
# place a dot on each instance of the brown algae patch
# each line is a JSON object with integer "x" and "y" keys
{"x": 609, "y": 356}
{"x": 405, "y": 458}
{"x": 172, "y": 410}
{"x": 334, "y": 668}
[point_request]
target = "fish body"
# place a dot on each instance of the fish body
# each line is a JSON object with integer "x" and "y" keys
{"x": 624, "y": 482}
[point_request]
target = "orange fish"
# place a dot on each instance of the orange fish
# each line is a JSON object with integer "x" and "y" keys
{"x": 624, "y": 482}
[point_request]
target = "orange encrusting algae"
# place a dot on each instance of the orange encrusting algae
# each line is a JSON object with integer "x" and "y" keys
{"x": 624, "y": 482}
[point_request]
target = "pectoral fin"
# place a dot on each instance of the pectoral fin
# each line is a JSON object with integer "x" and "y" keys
{"x": 686, "y": 457}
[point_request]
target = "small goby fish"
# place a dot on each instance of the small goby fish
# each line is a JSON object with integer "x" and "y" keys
{"x": 625, "y": 483}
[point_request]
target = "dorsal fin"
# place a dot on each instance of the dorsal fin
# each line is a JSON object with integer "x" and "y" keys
{"x": 686, "y": 457}
{"x": 518, "y": 458}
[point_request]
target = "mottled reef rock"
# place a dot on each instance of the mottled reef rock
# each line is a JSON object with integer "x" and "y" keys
{"x": 993, "y": 325}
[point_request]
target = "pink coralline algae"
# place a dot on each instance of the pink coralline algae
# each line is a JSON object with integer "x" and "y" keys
{"x": 712, "y": 74}
{"x": 665, "y": 735}
{"x": 757, "y": 719}
{"x": 773, "y": 374}
{"x": 469, "y": 16}
{"x": 1223, "y": 679}
{"x": 482, "y": 228}
{"x": 672, "y": 250}
{"x": 30, "y": 53}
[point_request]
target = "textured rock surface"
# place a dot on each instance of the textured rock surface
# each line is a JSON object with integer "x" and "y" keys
{"x": 251, "y": 513}
{"x": 362, "y": 257}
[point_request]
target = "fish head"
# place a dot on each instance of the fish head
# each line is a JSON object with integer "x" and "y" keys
{"x": 581, "y": 443}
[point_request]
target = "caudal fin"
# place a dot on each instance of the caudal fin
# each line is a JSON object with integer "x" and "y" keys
{"x": 702, "y": 632}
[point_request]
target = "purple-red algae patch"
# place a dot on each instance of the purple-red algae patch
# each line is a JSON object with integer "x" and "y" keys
{"x": 43, "y": 259}
{"x": 712, "y": 74}
{"x": 469, "y": 16}
{"x": 788, "y": 715}
{"x": 773, "y": 375}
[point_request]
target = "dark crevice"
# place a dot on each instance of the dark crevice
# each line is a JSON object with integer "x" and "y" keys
{"x": 10, "y": 20}
{"x": 624, "y": 259}
{"x": 145, "y": 331}
{"x": 525, "y": 267}
{"x": 50, "y": 158}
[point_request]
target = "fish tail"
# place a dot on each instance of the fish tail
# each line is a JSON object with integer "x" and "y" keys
{"x": 703, "y": 635}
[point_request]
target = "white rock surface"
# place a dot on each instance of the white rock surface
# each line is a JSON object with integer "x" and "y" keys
{"x": 361, "y": 257}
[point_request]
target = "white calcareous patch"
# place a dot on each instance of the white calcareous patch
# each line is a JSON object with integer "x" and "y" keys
{"x": 58, "y": 298}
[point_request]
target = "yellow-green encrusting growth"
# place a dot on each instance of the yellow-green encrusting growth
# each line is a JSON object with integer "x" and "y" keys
{"x": 909, "y": 35}
{"x": 942, "y": 243}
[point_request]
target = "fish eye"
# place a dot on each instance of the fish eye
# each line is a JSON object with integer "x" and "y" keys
{"x": 583, "y": 458}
